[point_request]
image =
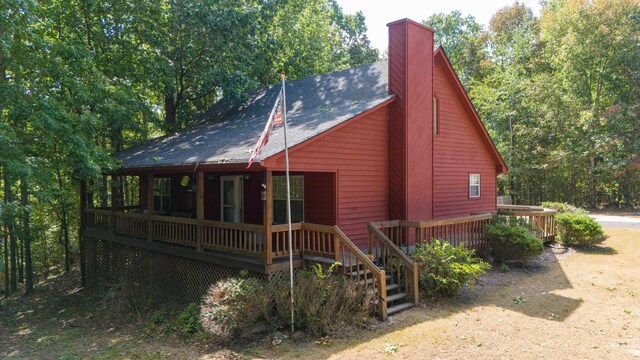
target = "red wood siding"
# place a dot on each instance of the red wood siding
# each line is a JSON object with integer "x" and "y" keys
{"x": 459, "y": 150}
{"x": 410, "y": 78}
{"x": 358, "y": 153}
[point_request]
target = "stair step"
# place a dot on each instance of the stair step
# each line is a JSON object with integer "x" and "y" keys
{"x": 370, "y": 280}
{"x": 399, "y": 307}
{"x": 394, "y": 297}
{"x": 391, "y": 287}
{"x": 360, "y": 272}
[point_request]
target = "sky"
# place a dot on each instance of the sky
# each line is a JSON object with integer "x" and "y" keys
{"x": 379, "y": 13}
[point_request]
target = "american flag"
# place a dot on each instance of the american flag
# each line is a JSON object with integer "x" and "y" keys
{"x": 275, "y": 118}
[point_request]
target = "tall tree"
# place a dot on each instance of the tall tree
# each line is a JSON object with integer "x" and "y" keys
{"x": 465, "y": 42}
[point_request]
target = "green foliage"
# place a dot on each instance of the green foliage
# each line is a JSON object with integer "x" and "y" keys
{"x": 234, "y": 305}
{"x": 323, "y": 303}
{"x": 504, "y": 268}
{"x": 158, "y": 317}
{"x": 188, "y": 321}
{"x": 82, "y": 80}
{"x": 465, "y": 42}
{"x": 444, "y": 268}
{"x": 564, "y": 207}
{"x": 512, "y": 242}
{"x": 579, "y": 229}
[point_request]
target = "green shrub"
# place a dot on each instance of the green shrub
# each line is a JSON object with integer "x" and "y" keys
{"x": 233, "y": 306}
{"x": 579, "y": 229}
{"x": 188, "y": 320}
{"x": 511, "y": 242}
{"x": 563, "y": 207}
{"x": 158, "y": 317}
{"x": 444, "y": 268}
{"x": 324, "y": 303}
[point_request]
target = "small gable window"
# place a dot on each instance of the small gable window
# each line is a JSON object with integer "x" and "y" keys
{"x": 436, "y": 121}
{"x": 474, "y": 185}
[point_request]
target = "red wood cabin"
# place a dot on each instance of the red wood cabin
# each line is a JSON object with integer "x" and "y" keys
{"x": 393, "y": 140}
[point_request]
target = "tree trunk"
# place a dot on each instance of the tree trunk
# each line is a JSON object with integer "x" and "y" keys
{"x": 21, "y": 261}
{"x": 592, "y": 178}
{"x": 170, "y": 110}
{"x": 64, "y": 224}
{"x": 65, "y": 232}
{"x": 26, "y": 239}
{"x": 5, "y": 239}
{"x": 8, "y": 199}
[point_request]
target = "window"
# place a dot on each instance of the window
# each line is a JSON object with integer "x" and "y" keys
{"x": 162, "y": 194}
{"x": 474, "y": 185}
{"x": 231, "y": 195}
{"x": 435, "y": 116}
{"x": 280, "y": 199}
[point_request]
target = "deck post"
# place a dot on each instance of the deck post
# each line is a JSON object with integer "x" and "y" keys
{"x": 382, "y": 296}
{"x": 114, "y": 202}
{"x": 267, "y": 217}
{"x": 415, "y": 287}
{"x": 200, "y": 209}
{"x": 150, "y": 205}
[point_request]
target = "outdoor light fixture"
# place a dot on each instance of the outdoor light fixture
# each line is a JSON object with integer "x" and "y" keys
{"x": 247, "y": 176}
{"x": 263, "y": 192}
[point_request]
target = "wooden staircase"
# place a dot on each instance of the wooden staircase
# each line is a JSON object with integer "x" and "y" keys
{"x": 385, "y": 272}
{"x": 396, "y": 299}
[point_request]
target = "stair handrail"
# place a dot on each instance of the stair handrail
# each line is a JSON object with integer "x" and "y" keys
{"x": 410, "y": 266}
{"x": 377, "y": 273}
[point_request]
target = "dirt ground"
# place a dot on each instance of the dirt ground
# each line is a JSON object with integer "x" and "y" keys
{"x": 566, "y": 304}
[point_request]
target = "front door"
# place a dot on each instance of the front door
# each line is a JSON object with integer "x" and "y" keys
{"x": 231, "y": 199}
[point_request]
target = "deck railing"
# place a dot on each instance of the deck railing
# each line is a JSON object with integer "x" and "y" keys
{"x": 467, "y": 231}
{"x": 309, "y": 240}
{"x": 397, "y": 264}
{"x": 540, "y": 218}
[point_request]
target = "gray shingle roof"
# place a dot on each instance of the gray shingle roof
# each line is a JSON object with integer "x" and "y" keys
{"x": 314, "y": 105}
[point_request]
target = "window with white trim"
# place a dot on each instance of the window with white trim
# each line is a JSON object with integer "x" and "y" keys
{"x": 474, "y": 185}
{"x": 162, "y": 194}
{"x": 280, "y": 199}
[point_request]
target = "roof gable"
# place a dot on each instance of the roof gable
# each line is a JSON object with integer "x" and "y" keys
{"x": 314, "y": 105}
{"x": 441, "y": 56}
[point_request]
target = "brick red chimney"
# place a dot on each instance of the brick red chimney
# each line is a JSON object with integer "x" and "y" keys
{"x": 411, "y": 120}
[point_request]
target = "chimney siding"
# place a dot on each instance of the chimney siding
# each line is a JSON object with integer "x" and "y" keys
{"x": 411, "y": 120}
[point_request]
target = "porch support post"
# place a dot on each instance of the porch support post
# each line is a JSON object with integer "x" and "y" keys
{"x": 114, "y": 201}
{"x": 200, "y": 209}
{"x": 267, "y": 217}
{"x": 150, "y": 207}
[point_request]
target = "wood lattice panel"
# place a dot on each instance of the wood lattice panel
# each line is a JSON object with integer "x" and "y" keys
{"x": 162, "y": 277}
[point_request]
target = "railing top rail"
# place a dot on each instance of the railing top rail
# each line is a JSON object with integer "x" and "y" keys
{"x": 386, "y": 224}
{"x": 233, "y": 226}
{"x": 519, "y": 210}
{"x": 389, "y": 244}
{"x": 432, "y": 223}
{"x": 97, "y": 211}
{"x": 285, "y": 227}
{"x": 130, "y": 215}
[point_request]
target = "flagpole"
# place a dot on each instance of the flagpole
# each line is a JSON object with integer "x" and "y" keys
{"x": 286, "y": 161}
